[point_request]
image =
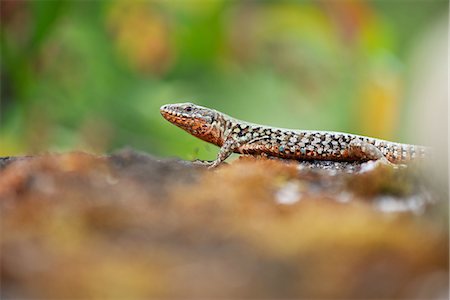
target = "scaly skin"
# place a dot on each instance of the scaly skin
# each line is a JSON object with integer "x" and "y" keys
{"x": 233, "y": 135}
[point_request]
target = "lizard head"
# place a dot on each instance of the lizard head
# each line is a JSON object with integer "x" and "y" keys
{"x": 199, "y": 121}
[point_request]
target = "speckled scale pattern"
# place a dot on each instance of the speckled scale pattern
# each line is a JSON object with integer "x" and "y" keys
{"x": 313, "y": 145}
{"x": 237, "y": 136}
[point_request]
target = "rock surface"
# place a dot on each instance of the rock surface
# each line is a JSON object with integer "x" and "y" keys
{"x": 130, "y": 225}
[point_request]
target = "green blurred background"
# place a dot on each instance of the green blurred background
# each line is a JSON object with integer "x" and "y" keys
{"x": 91, "y": 75}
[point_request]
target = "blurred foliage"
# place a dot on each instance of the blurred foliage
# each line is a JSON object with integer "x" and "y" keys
{"x": 92, "y": 75}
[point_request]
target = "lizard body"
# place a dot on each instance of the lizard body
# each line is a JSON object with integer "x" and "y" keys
{"x": 233, "y": 135}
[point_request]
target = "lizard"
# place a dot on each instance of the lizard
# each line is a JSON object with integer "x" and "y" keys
{"x": 236, "y": 136}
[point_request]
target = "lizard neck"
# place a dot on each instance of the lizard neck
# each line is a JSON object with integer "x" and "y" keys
{"x": 218, "y": 131}
{"x": 223, "y": 124}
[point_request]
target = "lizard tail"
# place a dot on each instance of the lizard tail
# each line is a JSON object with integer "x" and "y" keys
{"x": 403, "y": 153}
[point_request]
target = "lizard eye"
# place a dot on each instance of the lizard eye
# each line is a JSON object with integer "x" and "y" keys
{"x": 188, "y": 109}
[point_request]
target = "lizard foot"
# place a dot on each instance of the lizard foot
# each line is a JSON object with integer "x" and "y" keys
{"x": 368, "y": 151}
{"x": 206, "y": 163}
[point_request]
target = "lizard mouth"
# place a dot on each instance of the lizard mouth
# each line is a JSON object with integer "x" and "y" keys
{"x": 168, "y": 113}
{"x": 176, "y": 117}
{"x": 165, "y": 110}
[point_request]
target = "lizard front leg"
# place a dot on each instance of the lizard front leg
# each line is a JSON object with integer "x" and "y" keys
{"x": 225, "y": 151}
{"x": 233, "y": 143}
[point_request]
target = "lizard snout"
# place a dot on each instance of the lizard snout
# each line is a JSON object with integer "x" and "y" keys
{"x": 164, "y": 108}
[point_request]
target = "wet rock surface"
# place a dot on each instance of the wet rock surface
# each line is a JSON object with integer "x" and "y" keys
{"x": 129, "y": 225}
